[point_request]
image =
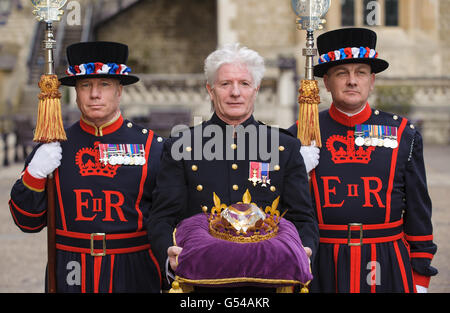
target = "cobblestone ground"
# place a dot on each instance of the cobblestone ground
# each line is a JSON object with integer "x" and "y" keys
{"x": 23, "y": 256}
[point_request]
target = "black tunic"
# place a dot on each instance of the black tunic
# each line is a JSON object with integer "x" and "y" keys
{"x": 186, "y": 183}
{"x": 385, "y": 190}
{"x": 93, "y": 197}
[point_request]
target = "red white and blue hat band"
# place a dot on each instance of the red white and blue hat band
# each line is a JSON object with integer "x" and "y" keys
{"x": 348, "y": 53}
{"x": 98, "y": 68}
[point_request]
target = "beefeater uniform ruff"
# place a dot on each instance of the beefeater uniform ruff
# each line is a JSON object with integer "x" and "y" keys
{"x": 369, "y": 188}
{"x": 103, "y": 196}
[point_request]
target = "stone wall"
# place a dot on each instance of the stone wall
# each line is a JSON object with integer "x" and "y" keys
{"x": 165, "y": 36}
{"x": 444, "y": 29}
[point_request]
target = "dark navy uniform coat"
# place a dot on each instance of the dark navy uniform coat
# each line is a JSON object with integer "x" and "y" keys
{"x": 91, "y": 198}
{"x": 382, "y": 190}
{"x": 186, "y": 183}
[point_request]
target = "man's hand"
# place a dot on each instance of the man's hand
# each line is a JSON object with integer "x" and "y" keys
{"x": 172, "y": 253}
{"x": 45, "y": 160}
{"x": 308, "y": 251}
{"x": 310, "y": 156}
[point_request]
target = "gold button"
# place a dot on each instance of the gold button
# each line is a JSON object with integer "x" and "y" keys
{"x": 281, "y": 148}
{"x": 276, "y": 167}
{"x": 188, "y": 149}
{"x": 234, "y": 166}
{"x": 194, "y": 168}
{"x": 130, "y": 125}
{"x": 204, "y": 208}
{"x": 233, "y": 146}
{"x": 235, "y": 187}
{"x": 199, "y": 187}
{"x": 272, "y": 188}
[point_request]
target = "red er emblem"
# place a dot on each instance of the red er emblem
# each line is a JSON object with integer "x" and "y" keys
{"x": 88, "y": 160}
{"x": 350, "y": 155}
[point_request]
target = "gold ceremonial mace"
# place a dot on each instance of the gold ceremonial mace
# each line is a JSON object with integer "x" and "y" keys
{"x": 49, "y": 126}
{"x": 310, "y": 13}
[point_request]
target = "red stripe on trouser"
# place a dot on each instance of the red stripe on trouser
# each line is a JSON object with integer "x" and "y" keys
{"x": 373, "y": 268}
{"x": 97, "y": 270}
{"x": 355, "y": 269}
{"x": 152, "y": 256}
{"x": 402, "y": 267}
{"x": 83, "y": 273}
{"x": 335, "y": 256}
{"x": 111, "y": 274}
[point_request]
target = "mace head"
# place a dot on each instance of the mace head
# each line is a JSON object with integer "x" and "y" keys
{"x": 310, "y": 13}
{"x": 48, "y": 10}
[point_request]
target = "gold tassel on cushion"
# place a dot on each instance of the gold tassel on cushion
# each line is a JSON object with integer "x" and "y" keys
{"x": 308, "y": 115}
{"x": 176, "y": 287}
{"x": 49, "y": 125}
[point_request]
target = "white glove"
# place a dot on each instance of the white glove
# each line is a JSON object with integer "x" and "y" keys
{"x": 421, "y": 289}
{"x": 46, "y": 159}
{"x": 310, "y": 156}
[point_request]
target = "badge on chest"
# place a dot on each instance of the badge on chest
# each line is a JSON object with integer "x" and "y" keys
{"x": 122, "y": 154}
{"x": 376, "y": 135}
{"x": 259, "y": 173}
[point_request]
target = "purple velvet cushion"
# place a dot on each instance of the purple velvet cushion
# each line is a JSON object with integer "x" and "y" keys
{"x": 209, "y": 261}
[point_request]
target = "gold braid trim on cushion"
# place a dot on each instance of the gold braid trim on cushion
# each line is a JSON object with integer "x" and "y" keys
{"x": 222, "y": 281}
{"x": 240, "y": 239}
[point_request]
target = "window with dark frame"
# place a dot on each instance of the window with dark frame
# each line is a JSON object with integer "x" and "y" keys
{"x": 347, "y": 12}
{"x": 391, "y": 12}
{"x": 389, "y": 18}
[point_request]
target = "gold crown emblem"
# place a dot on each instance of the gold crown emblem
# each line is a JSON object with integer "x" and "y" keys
{"x": 244, "y": 221}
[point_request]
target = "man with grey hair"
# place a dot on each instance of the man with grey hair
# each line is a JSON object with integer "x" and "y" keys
{"x": 227, "y": 155}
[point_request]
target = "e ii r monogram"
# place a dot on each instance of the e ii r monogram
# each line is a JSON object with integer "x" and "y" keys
{"x": 103, "y": 205}
{"x": 371, "y": 186}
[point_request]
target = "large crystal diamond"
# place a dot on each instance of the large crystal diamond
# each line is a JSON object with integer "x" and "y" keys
{"x": 243, "y": 216}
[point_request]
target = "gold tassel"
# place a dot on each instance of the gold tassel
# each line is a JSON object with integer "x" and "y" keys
{"x": 49, "y": 125}
{"x": 304, "y": 290}
{"x": 175, "y": 287}
{"x": 308, "y": 116}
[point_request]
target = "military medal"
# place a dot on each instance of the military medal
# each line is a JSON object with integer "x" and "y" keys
{"x": 265, "y": 174}
{"x": 387, "y": 141}
{"x": 374, "y": 135}
{"x": 380, "y": 135}
{"x": 122, "y": 154}
{"x": 394, "y": 143}
{"x": 255, "y": 173}
{"x": 127, "y": 157}
{"x": 259, "y": 173}
{"x": 359, "y": 140}
{"x": 103, "y": 153}
{"x": 141, "y": 157}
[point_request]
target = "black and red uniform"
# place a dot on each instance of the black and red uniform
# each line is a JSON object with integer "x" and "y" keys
{"x": 101, "y": 210}
{"x": 372, "y": 206}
